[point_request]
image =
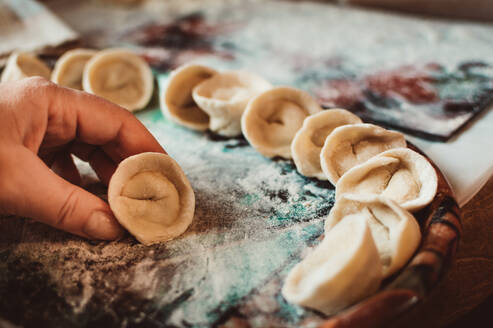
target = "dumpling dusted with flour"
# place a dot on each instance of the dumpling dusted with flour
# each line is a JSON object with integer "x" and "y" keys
{"x": 272, "y": 119}
{"x": 399, "y": 174}
{"x": 177, "y": 102}
{"x": 309, "y": 140}
{"x": 350, "y": 145}
{"x": 70, "y": 67}
{"x": 224, "y": 98}
{"x": 121, "y": 77}
{"x": 151, "y": 197}
{"x": 343, "y": 269}
{"x": 21, "y": 65}
{"x": 395, "y": 231}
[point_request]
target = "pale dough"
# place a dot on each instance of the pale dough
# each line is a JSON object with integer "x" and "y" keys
{"x": 272, "y": 119}
{"x": 350, "y": 145}
{"x": 21, "y": 65}
{"x": 151, "y": 197}
{"x": 308, "y": 141}
{"x": 70, "y": 67}
{"x": 119, "y": 76}
{"x": 224, "y": 98}
{"x": 395, "y": 231}
{"x": 343, "y": 269}
{"x": 399, "y": 174}
{"x": 177, "y": 102}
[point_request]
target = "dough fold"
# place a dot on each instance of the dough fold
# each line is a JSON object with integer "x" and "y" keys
{"x": 151, "y": 197}
{"x": 70, "y": 67}
{"x": 21, "y": 65}
{"x": 343, "y": 269}
{"x": 309, "y": 140}
{"x": 119, "y": 76}
{"x": 399, "y": 174}
{"x": 272, "y": 119}
{"x": 351, "y": 145}
{"x": 224, "y": 98}
{"x": 177, "y": 102}
{"x": 395, "y": 231}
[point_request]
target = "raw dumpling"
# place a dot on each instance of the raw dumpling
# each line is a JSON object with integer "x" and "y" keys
{"x": 121, "y": 77}
{"x": 224, "y": 98}
{"x": 399, "y": 174}
{"x": 343, "y": 269}
{"x": 70, "y": 66}
{"x": 350, "y": 145}
{"x": 309, "y": 140}
{"x": 21, "y": 65}
{"x": 272, "y": 119}
{"x": 395, "y": 231}
{"x": 151, "y": 197}
{"x": 177, "y": 102}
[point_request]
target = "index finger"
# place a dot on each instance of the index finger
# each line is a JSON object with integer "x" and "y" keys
{"x": 96, "y": 121}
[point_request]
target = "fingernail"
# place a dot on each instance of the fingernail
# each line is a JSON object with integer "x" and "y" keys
{"x": 104, "y": 226}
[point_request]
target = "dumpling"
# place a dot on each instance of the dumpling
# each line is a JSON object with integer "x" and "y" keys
{"x": 272, "y": 119}
{"x": 177, "y": 102}
{"x": 151, "y": 197}
{"x": 121, "y": 77}
{"x": 395, "y": 231}
{"x": 350, "y": 145}
{"x": 309, "y": 140}
{"x": 343, "y": 269}
{"x": 70, "y": 66}
{"x": 21, "y": 65}
{"x": 399, "y": 174}
{"x": 224, "y": 98}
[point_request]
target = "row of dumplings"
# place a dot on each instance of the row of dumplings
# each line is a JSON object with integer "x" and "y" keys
{"x": 370, "y": 233}
{"x": 117, "y": 75}
{"x": 328, "y": 144}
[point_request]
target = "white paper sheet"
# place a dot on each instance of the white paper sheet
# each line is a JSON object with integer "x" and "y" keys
{"x": 467, "y": 159}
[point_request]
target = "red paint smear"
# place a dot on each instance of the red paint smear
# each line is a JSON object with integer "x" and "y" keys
{"x": 339, "y": 93}
{"x": 167, "y": 46}
{"x": 415, "y": 84}
{"x": 191, "y": 31}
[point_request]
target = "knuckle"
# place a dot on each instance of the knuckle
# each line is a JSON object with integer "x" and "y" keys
{"x": 67, "y": 210}
{"x": 6, "y": 183}
{"x": 35, "y": 88}
{"x": 5, "y": 171}
{"x": 38, "y": 82}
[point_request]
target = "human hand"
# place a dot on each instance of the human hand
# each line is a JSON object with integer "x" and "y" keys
{"x": 41, "y": 125}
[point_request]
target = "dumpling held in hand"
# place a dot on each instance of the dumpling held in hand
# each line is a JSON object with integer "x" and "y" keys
{"x": 151, "y": 197}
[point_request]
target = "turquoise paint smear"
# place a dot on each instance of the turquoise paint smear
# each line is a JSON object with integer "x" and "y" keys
{"x": 241, "y": 245}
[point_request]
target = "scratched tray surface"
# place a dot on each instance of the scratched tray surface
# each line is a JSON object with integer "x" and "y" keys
{"x": 254, "y": 217}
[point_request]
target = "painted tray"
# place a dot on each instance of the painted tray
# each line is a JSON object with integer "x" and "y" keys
{"x": 255, "y": 219}
{"x": 426, "y": 77}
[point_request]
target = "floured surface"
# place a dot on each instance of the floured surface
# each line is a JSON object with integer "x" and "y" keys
{"x": 424, "y": 74}
{"x": 254, "y": 217}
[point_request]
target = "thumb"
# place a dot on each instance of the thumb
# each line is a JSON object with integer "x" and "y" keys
{"x": 32, "y": 190}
